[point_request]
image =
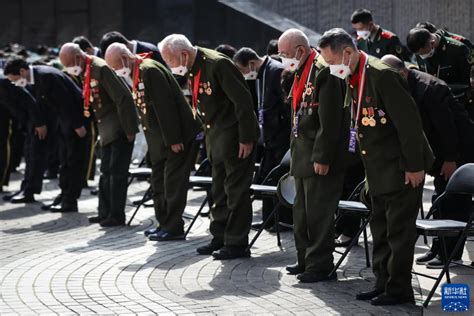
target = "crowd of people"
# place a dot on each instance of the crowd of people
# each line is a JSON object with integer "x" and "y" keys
{"x": 349, "y": 109}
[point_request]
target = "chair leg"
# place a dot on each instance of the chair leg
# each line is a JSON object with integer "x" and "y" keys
{"x": 445, "y": 251}
{"x": 195, "y": 217}
{"x": 277, "y": 226}
{"x": 144, "y": 198}
{"x": 259, "y": 232}
{"x": 422, "y": 215}
{"x": 366, "y": 248}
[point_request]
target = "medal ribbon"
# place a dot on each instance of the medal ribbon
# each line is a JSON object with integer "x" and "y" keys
{"x": 299, "y": 86}
{"x": 360, "y": 89}
{"x": 86, "y": 91}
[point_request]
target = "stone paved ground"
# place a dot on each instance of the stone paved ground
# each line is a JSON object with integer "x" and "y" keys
{"x": 60, "y": 264}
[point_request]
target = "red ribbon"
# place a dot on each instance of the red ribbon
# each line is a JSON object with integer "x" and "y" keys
{"x": 86, "y": 90}
{"x": 136, "y": 68}
{"x": 197, "y": 78}
{"x": 299, "y": 86}
{"x": 359, "y": 81}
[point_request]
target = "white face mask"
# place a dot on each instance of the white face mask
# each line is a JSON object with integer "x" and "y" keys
{"x": 74, "y": 70}
{"x": 180, "y": 70}
{"x": 363, "y": 34}
{"x": 22, "y": 82}
{"x": 124, "y": 72}
{"x": 428, "y": 55}
{"x": 251, "y": 75}
{"x": 341, "y": 71}
{"x": 290, "y": 64}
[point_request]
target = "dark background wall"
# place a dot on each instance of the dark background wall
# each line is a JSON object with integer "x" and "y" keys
{"x": 209, "y": 23}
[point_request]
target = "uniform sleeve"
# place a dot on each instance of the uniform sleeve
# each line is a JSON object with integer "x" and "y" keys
{"x": 164, "y": 105}
{"x": 463, "y": 65}
{"x": 122, "y": 99}
{"x": 330, "y": 112}
{"x": 402, "y": 110}
{"x": 235, "y": 88}
{"x": 439, "y": 112}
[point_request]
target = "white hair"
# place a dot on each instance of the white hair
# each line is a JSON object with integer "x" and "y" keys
{"x": 176, "y": 42}
{"x": 118, "y": 48}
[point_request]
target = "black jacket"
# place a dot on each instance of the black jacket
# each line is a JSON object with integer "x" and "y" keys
{"x": 446, "y": 123}
{"x": 56, "y": 92}
{"x": 276, "y": 113}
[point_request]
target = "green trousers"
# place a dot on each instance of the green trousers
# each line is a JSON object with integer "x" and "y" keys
{"x": 170, "y": 181}
{"x": 314, "y": 210}
{"x": 393, "y": 228}
{"x": 231, "y": 214}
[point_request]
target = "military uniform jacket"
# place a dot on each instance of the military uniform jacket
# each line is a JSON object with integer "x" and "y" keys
{"x": 164, "y": 112}
{"x": 224, "y": 104}
{"x": 323, "y": 126}
{"x": 451, "y": 62}
{"x": 112, "y": 103}
{"x": 396, "y": 143}
{"x": 384, "y": 43}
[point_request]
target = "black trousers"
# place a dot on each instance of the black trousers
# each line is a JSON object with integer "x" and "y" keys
{"x": 35, "y": 162}
{"x": 113, "y": 182}
{"x": 5, "y": 148}
{"x": 73, "y": 151}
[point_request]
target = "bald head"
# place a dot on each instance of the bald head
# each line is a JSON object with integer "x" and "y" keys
{"x": 293, "y": 44}
{"x": 71, "y": 55}
{"x": 118, "y": 55}
{"x": 394, "y": 62}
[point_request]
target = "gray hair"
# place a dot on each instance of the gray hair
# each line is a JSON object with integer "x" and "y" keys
{"x": 176, "y": 42}
{"x": 337, "y": 39}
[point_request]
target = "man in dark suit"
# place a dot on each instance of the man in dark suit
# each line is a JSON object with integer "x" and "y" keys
{"x": 135, "y": 46}
{"x": 57, "y": 93}
{"x": 21, "y": 105}
{"x": 272, "y": 112}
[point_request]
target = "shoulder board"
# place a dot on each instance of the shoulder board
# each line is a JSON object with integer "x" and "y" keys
{"x": 319, "y": 62}
{"x": 452, "y": 41}
{"x": 387, "y": 34}
{"x": 457, "y": 37}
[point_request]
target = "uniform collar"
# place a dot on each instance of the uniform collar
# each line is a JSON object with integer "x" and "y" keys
{"x": 377, "y": 36}
{"x": 198, "y": 62}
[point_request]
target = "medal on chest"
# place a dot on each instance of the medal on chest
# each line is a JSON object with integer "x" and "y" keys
{"x": 138, "y": 96}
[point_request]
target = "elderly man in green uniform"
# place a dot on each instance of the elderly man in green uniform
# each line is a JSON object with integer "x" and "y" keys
{"x": 318, "y": 146}
{"x": 222, "y": 99}
{"x": 374, "y": 40}
{"x": 387, "y": 125}
{"x": 170, "y": 130}
{"x": 445, "y": 58}
{"x": 107, "y": 100}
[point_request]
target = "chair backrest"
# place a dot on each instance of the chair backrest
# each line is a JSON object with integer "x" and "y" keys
{"x": 286, "y": 160}
{"x": 462, "y": 180}
{"x": 286, "y": 190}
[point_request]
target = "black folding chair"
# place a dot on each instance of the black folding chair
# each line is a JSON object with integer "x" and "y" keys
{"x": 284, "y": 192}
{"x": 140, "y": 173}
{"x": 352, "y": 207}
{"x": 461, "y": 182}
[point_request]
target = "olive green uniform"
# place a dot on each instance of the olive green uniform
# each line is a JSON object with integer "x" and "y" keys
{"x": 321, "y": 137}
{"x": 225, "y": 106}
{"x": 167, "y": 120}
{"x": 116, "y": 117}
{"x": 395, "y": 144}
{"x": 384, "y": 43}
{"x": 452, "y": 62}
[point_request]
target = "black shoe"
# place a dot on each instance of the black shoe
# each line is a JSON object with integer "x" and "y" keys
{"x": 95, "y": 219}
{"x": 164, "y": 236}
{"x": 365, "y": 296}
{"x": 209, "y": 248}
{"x": 50, "y": 175}
{"x": 280, "y": 227}
{"x": 386, "y": 299}
{"x": 151, "y": 231}
{"x": 94, "y": 191}
{"x": 439, "y": 264}
{"x": 426, "y": 257}
{"x": 8, "y": 197}
{"x": 231, "y": 252}
{"x": 312, "y": 277}
{"x": 294, "y": 269}
{"x": 63, "y": 208}
{"x": 23, "y": 198}
{"x": 257, "y": 225}
{"x": 57, "y": 200}
{"x": 111, "y": 222}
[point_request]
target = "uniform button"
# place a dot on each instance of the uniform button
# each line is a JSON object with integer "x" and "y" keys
{"x": 99, "y": 121}
{"x": 203, "y": 114}
{"x": 198, "y": 101}
{"x": 204, "y": 57}
{"x": 361, "y": 135}
{"x": 190, "y": 74}
{"x": 208, "y": 126}
{"x": 364, "y": 152}
{"x": 94, "y": 110}
{"x": 144, "y": 128}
